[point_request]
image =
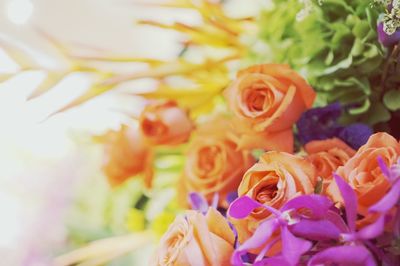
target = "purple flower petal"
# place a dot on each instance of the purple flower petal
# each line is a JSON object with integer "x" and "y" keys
{"x": 273, "y": 261}
{"x": 243, "y": 206}
{"x": 293, "y": 247}
{"x": 198, "y": 202}
{"x": 231, "y": 197}
{"x": 319, "y": 205}
{"x": 343, "y": 256}
{"x": 236, "y": 259}
{"x": 350, "y": 201}
{"x": 316, "y": 230}
{"x": 319, "y": 123}
{"x": 337, "y": 220}
{"x": 215, "y": 200}
{"x": 262, "y": 234}
{"x": 385, "y": 170}
{"x": 235, "y": 233}
{"x": 388, "y": 201}
{"x": 373, "y": 230}
{"x": 386, "y": 39}
{"x": 265, "y": 249}
{"x": 260, "y": 237}
{"x": 355, "y": 135}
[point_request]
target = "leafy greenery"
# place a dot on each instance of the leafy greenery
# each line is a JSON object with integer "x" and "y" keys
{"x": 335, "y": 46}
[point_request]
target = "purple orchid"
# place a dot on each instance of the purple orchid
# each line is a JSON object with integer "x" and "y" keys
{"x": 350, "y": 200}
{"x": 322, "y": 123}
{"x": 392, "y": 198}
{"x": 305, "y": 218}
{"x": 343, "y": 256}
{"x": 354, "y": 241}
{"x": 294, "y": 218}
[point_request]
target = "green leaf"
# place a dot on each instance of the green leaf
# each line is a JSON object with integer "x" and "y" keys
{"x": 376, "y": 114}
{"x": 391, "y": 99}
{"x": 361, "y": 29}
{"x": 362, "y": 109}
{"x": 357, "y": 48}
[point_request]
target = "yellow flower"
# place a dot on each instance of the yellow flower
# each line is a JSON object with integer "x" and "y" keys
{"x": 135, "y": 220}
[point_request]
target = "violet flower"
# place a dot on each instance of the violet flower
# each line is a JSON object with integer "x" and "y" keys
{"x": 343, "y": 256}
{"x": 386, "y": 39}
{"x": 392, "y": 198}
{"x": 291, "y": 218}
{"x": 322, "y": 123}
{"x": 350, "y": 201}
{"x": 355, "y": 135}
{"x": 355, "y": 241}
{"x": 319, "y": 123}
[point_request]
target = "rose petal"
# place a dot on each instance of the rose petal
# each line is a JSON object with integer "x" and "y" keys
{"x": 350, "y": 201}
{"x": 315, "y": 230}
{"x": 319, "y": 205}
{"x": 343, "y": 256}
{"x": 293, "y": 247}
{"x": 388, "y": 201}
{"x": 218, "y": 225}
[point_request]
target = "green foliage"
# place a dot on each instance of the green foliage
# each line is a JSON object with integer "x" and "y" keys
{"x": 335, "y": 46}
{"x": 392, "y": 100}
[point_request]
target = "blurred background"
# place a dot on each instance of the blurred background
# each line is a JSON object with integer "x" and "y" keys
{"x": 53, "y": 195}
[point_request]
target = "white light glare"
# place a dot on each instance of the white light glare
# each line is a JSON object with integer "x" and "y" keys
{"x": 19, "y": 11}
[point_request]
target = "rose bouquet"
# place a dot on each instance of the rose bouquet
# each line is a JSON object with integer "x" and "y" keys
{"x": 335, "y": 201}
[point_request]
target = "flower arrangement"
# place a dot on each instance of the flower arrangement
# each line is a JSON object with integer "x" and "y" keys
{"x": 321, "y": 205}
{"x": 287, "y": 154}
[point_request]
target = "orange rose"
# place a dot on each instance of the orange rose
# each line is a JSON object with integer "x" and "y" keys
{"x": 276, "y": 141}
{"x": 363, "y": 173}
{"x": 126, "y": 155}
{"x": 274, "y": 180}
{"x": 270, "y": 97}
{"x": 196, "y": 240}
{"x": 327, "y": 155}
{"x": 214, "y": 164}
{"x": 165, "y": 123}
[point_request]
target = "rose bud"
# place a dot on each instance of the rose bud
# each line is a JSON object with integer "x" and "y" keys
{"x": 165, "y": 123}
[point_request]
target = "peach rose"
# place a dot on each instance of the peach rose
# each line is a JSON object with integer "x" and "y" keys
{"x": 363, "y": 173}
{"x": 196, "y": 240}
{"x": 214, "y": 164}
{"x": 275, "y": 179}
{"x": 165, "y": 123}
{"x": 327, "y": 155}
{"x": 269, "y": 97}
{"x": 126, "y": 155}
